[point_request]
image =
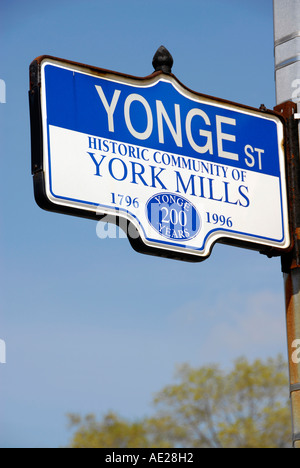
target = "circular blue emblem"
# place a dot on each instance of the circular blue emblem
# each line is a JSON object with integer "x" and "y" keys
{"x": 173, "y": 216}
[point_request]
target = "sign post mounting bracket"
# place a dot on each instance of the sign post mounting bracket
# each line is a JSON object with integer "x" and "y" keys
{"x": 291, "y": 259}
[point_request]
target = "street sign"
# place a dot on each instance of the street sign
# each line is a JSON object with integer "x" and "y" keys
{"x": 185, "y": 169}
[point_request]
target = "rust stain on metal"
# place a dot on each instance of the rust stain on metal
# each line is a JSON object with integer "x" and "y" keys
{"x": 292, "y": 282}
{"x": 295, "y": 399}
{"x": 286, "y": 110}
{"x": 293, "y": 324}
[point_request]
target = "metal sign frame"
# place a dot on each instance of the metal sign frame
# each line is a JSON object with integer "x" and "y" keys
{"x": 221, "y": 234}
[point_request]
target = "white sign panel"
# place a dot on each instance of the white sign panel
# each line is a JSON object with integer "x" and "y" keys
{"x": 185, "y": 169}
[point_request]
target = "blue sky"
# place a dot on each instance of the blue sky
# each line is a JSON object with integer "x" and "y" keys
{"x": 89, "y": 324}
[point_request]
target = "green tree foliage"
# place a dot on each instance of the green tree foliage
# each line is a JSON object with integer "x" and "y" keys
{"x": 245, "y": 407}
{"x": 111, "y": 432}
{"x": 115, "y": 432}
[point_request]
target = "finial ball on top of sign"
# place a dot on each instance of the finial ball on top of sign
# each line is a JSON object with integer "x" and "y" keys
{"x": 163, "y": 60}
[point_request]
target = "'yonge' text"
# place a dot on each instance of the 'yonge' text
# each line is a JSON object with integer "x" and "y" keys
{"x": 176, "y": 131}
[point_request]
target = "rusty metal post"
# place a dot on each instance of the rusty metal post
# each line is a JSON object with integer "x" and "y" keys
{"x": 292, "y": 281}
{"x": 287, "y": 77}
{"x": 291, "y": 262}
